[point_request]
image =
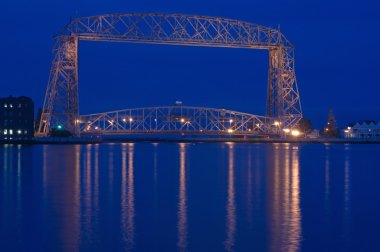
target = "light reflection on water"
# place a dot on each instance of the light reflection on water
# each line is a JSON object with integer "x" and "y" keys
{"x": 231, "y": 209}
{"x": 182, "y": 201}
{"x": 149, "y": 197}
{"x": 284, "y": 200}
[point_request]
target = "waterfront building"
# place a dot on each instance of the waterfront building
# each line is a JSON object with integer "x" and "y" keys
{"x": 313, "y": 134}
{"x": 363, "y": 129}
{"x": 16, "y": 118}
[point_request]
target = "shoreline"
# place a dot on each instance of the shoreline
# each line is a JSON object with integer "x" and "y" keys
{"x": 84, "y": 140}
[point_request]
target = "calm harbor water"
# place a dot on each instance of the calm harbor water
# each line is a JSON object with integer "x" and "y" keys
{"x": 190, "y": 197}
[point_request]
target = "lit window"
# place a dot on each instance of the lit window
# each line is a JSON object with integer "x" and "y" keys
{"x": 10, "y": 132}
{"x": 25, "y": 132}
{"x": 5, "y": 132}
{"x": 19, "y": 132}
{"x": 5, "y": 105}
{"x": 10, "y": 105}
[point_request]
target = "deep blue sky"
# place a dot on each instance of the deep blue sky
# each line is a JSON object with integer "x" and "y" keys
{"x": 337, "y": 57}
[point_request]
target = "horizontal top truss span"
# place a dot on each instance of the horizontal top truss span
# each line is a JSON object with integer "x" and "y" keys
{"x": 176, "y": 29}
{"x": 176, "y": 119}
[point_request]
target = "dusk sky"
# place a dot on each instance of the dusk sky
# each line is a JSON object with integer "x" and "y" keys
{"x": 336, "y": 45}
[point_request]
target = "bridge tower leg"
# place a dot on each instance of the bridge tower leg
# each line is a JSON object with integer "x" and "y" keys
{"x": 283, "y": 99}
{"x": 61, "y": 104}
{"x": 274, "y": 96}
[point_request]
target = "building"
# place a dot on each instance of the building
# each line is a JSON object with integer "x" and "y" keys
{"x": 362, "y": 129}
{"x": 313, "y": 134}
{"x": 16, "y": 118}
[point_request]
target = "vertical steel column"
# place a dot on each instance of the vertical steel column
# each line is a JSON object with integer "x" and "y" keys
{"x": 274, "y": 96}
{"x": 61, "y": 105}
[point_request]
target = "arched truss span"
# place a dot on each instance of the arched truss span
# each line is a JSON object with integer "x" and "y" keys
{"x": 61, "y": 99}
{"x": 177, "y": 119}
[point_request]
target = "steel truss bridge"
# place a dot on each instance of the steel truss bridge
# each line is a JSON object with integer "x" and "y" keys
{"x": 177, "y": 119}
{"x": 61, "y": 104}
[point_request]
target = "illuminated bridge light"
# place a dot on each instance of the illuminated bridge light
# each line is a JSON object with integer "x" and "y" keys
{"x": 296, "y": 133}
{"x": 286, "y": 130}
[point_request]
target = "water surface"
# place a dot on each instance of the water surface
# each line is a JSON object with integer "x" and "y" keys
{"x": 189, "y": 197}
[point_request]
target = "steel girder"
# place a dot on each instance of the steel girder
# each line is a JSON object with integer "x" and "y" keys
{"x": 177, "y": 119}
{"x": 61, "y": 100}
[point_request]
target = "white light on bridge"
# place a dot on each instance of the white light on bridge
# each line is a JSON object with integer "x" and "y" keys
{"x": 124, "y": 120}
{"x": 286, "y": 130}
{"x": 230, "y": 131}
{"x": 231, "y": 121}
{"x": 276, "y": 123}
{"x": 130, "y": 119}
{"x": 182, "y": 120}
{"x": 296, "y": 133}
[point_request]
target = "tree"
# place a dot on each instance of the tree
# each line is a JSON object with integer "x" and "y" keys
{"x": 330, "y": 129}
{"x": 305, "y": 125}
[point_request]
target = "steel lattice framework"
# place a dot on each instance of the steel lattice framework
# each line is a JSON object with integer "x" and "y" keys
{"x": 61, "y": 105}
{"x": 176, "y": 119}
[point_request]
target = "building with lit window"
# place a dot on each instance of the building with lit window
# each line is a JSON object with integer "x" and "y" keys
{"x": 363, "y": 129}
{"x": 16, "y": 118}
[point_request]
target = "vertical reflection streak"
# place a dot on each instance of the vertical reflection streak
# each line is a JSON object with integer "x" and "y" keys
{"x": 155, "y": 164}
{"x": 96, "y": 182}
{"x": 346, "y": 182}
{"x": 18, "y": 191}
{"x": 128, "y": 207}
{"x": 124, "y": 204}
{"x": 88, "y": 196}
{"x": 276, "y": 204}
{"x": 182, "y": 204}
{"x": 110, "y": 170}
{"x": 286, "y": 194}
{"x": 295, "y": 217}
{"x": 249, "y": 188}
{"x": 231, "y": 209}
{"x": 19, "y": 178}
{"x": 44, "y": 171}
{"x": 5, "y": 152}
{"x": 346, "y": 195}
{"x": 327, "y": 192}
{"x": 327, "y": 178}
{"x": 5, "y": 171}
{"x": 77, "y": 193}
